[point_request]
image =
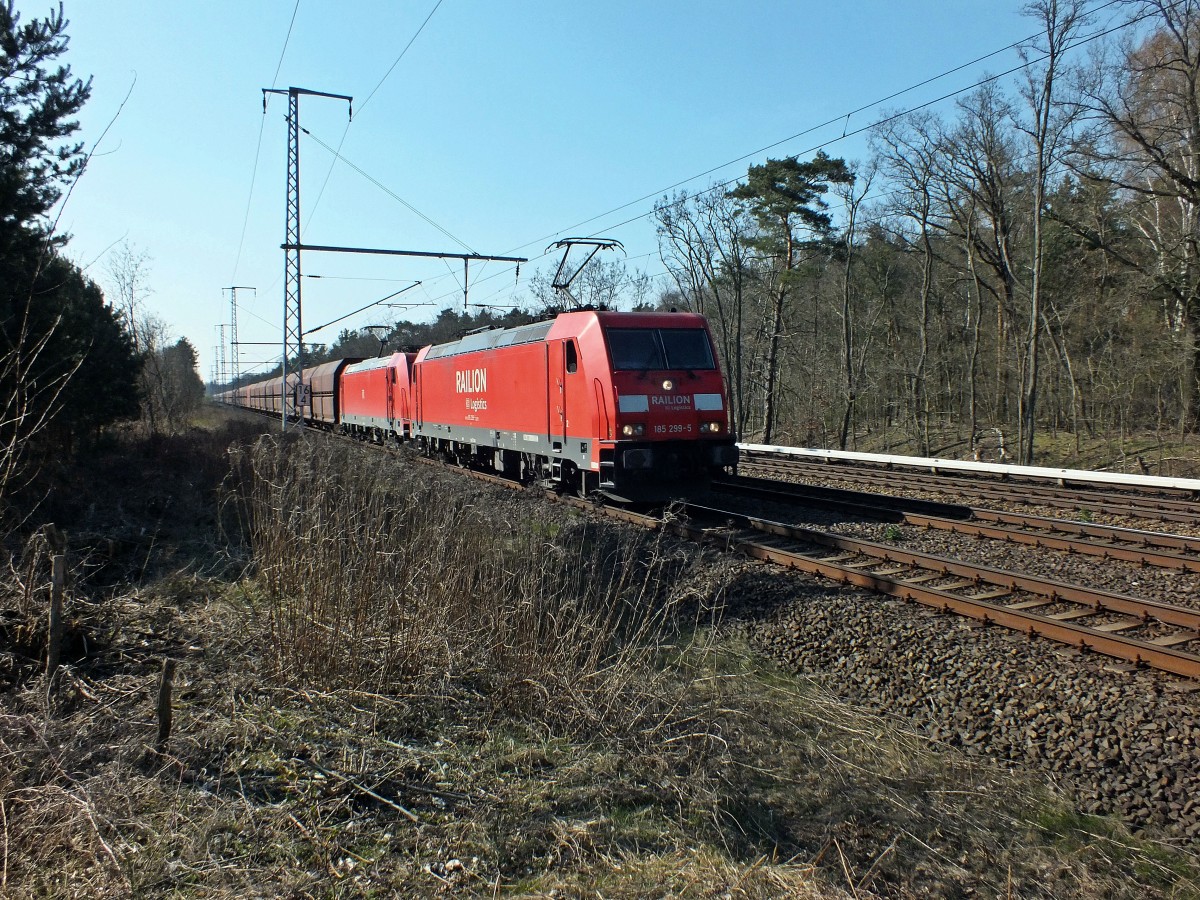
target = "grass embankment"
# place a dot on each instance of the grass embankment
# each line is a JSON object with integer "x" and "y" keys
{"x": 394, "y": 682}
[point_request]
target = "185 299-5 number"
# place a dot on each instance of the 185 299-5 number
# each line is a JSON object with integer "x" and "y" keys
{"x": 673, "y": 429}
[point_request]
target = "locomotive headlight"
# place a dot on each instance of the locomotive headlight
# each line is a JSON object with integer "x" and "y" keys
{"x": 633, "y": 430}
{"x": 668, "y": 384}
{"x": 711, "y": 427}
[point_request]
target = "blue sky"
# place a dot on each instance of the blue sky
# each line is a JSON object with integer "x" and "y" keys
{"x": 508, "y": 124}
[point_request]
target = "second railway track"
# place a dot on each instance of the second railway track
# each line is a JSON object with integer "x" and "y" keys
{"x": 1164, "y": 506}
{"x": 1135, "y": 630}
{"x": 1148, "y": 548}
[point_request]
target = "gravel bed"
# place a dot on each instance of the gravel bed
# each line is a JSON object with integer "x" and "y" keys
{"x": 1120, "y": 742}
{"x": 1162, "y": 585}
{"x": 897, "y": 487}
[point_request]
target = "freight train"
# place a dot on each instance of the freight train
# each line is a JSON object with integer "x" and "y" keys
{"x": 630, "y": 405}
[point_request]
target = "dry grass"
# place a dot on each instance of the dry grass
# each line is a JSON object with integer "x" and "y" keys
{"x": 542, "y": 709}
{"x": 395, "y": 586}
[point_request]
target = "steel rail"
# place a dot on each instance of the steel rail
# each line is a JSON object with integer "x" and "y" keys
{"x": 1159, "y": 653}
{"x": 885, "y": 507}
{"x": 1091, "y": 540}
{"x": 1152, "y": 548}
{"x": 1105, "y": 639}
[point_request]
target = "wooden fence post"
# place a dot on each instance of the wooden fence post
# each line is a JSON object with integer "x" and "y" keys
{"x": 165, "y": 685}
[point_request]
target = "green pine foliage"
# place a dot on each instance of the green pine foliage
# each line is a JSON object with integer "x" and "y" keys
{"x": 67, "y": 362}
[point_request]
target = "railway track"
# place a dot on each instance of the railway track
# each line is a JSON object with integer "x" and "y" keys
{"x": 1131, "y": 629}
{"x": 1138, "y": 631}
{"x": 1169, "y": 506}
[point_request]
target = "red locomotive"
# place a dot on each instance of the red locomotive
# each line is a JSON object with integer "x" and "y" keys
{"x": 631, "y": 405}
{"x": 376, "y": 398}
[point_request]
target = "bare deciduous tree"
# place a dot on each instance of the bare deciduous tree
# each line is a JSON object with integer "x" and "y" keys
{"x": 702, "y": 241}
{"x": 853, "y": 358}
{"x": 1051, "y": 120}
{"x": 909, "y": 150}
{"x": 1145, "y": 97}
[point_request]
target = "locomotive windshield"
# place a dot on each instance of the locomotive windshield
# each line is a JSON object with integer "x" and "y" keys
{"x": 660, "y": 348}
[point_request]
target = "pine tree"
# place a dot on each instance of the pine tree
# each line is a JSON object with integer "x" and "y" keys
{"x": 785, "y": 196}
{"x": 67, "y": 363}
{"x": 38, "y": 102}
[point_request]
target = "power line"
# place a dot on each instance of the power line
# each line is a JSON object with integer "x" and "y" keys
{"x": 258, "y": 148}
{"x": 844, "y": 116}
{"x": 400, "y": 57}
{"x": 328, "y": 173}
{"x": 363, "y": 308}
{"x": 286, "y": 39}
{"x": 383, "y": 187}
{"x": 840, "y": 117}
{"x": 354, "y": 278}
{"x": 250, "y": 197}
{"x": 336, "y": 153}
{"x": 845, "y": 134}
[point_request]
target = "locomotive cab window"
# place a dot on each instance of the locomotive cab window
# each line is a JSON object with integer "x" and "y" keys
{"x": 687, "y": 348}
{"x": 642, "y": 349}
{"x": 572, "y": 357}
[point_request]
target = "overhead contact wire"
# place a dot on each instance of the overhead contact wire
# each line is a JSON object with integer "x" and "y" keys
{"x": 833, "y": 120}
{"x": 400, "y": 57}
{"x": 847, "y": 116}
{"x": 337, "y": 153}
{"x": 379, "y": 184}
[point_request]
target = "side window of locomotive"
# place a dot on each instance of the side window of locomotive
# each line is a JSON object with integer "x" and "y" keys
{"x": 572, "y": 357}
{"x": 635, "y": 348}
{"x": 687, "y": 348}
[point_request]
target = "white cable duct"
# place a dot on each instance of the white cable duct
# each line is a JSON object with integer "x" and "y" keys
{"x": 949, "y": 465}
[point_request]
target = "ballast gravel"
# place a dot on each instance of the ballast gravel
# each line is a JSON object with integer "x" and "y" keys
{"x": 1121, "y": 742}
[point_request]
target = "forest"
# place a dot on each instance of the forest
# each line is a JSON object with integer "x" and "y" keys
{"x": 74, "y": 361}
{"x": 1025, "y": 264}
